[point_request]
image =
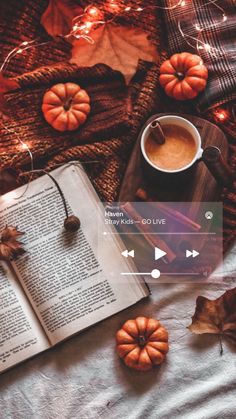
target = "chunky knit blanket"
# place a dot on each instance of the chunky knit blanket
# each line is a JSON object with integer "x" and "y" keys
{"x": 105, "y": 142}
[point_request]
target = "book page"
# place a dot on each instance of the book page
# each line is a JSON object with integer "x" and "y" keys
{"x": 69, "y": 286}
{"x": 21, "y": 335}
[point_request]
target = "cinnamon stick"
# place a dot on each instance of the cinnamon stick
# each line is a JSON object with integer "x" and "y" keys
{"x": 156, "y": 132}
{"x": 174, "y": 214}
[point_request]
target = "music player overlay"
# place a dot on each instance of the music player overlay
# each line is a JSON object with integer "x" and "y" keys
{"x": 167, "y": 241}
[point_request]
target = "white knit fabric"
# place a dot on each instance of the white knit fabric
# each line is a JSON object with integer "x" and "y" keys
{"x": 83, "y": 378}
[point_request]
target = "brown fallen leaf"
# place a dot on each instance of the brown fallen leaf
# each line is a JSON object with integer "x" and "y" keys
{"x": 57, "y": 18}
{"x": 10, "y": 247}
{"x": 216, "y": 316}
{"x": 6, "y": 85}
{"x": 119, "y": 47}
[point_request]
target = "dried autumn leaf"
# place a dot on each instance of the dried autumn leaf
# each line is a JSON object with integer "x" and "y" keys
{"x": 6, "y": 85}
{"x": 10, "y": 247}
{"x": 119, "y": 47}
{"x": 216, "y": 316}
{"x": 57, "y": 18}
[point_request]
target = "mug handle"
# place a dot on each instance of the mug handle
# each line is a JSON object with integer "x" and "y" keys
{"x": 218, "y": 167}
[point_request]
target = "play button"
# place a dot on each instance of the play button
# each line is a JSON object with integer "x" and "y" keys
{"x": 159, "y": 253}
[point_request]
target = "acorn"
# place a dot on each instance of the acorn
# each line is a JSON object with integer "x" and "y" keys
{"x": 72, "y": 223}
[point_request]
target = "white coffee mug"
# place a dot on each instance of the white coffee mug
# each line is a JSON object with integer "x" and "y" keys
{"x": 177, "y": 121}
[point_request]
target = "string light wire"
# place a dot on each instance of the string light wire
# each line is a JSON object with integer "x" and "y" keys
{"x": 81, "y": 31}
{"x": 81, "y": 28}
{"x": 24, "y": 46}
{"x": 24, "y": 147}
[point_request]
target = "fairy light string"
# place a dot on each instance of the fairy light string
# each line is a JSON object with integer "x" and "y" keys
{"x": 24, "y": 46}
{"x": 23, "y": 147}
{"x": 83, "y": 24}
{"x": 197, "y": 42}
{"x": 94, "y": 16}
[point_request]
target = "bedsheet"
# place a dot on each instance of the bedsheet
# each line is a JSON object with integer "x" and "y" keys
{"x": 83, "y": 377}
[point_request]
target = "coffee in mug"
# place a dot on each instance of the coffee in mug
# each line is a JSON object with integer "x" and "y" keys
{"x": 178, "y": 150}
{"x": 181, "y": 149}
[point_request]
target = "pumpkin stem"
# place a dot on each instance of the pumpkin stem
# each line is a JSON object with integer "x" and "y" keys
{"x": 142, "y": 340}
{"x": 179, "y": 75}
{"x": 67, "y": 104}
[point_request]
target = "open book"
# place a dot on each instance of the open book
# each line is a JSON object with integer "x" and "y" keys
{"x": 65, "y": 282}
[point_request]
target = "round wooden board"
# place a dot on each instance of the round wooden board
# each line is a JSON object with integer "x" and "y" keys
{"x": 199, "y": 185}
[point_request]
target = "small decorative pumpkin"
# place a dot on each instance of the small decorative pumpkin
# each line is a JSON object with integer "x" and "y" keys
{"x": 183, "y": 76}
{"x": 66, "y": 106}
{"x": 142, "y": 343}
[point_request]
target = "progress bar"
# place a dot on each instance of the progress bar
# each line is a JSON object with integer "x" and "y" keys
{"x": 155, "y": 273}
{"x": 162, "y": 234}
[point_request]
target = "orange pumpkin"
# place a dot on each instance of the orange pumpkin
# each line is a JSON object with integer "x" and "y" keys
{"x": 183, "y": 76}
{"x": 66, "y": 106}
{"x": 142, "y": 343}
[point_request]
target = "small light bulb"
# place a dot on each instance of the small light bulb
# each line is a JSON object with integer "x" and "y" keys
{"x": 197, "y": 27}
{"x": 75, "y": 27}
{"x": 19, "y": 51}
{"x": 139, "y": 9}
{"x": 24, "y": 146}
{"x": 25, "y": 43}
{"x": 127, "y": 9}
{"x": 207, "y": 47}
{"x": 221, "y": 115}
{"x": 113, "y": 7}
{"x": 224, "y": 18}
{"x": 89, "y": 25}
{"x": 183, "y": 3}
{"x": 93, "y": 11}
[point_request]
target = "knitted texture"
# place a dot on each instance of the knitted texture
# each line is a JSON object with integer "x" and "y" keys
{"x": 20, "y": 21}
{"x": 108, "y": 116}
{"x": 115, "y": 109}
{"x": 105, "y": 159}
{"x": 111, "y": 157}
{"x": 105, "y": 142}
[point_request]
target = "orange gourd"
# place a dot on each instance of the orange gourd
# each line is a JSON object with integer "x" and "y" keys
{"x": 142, "y": 343}
{"x": 66, "y": 106}
{"x": 183, "y": 76}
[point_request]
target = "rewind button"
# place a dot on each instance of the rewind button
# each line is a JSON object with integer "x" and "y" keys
{"x": 127, "y": 253}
